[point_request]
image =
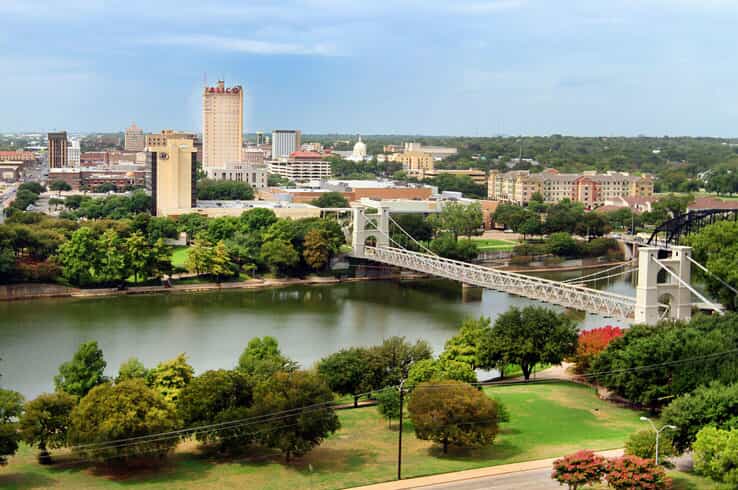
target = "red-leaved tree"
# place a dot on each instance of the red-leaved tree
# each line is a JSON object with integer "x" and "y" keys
{"x": 629, "y": 472}
{"x": 591, "y": 343}
{"x": 581, "y": 468}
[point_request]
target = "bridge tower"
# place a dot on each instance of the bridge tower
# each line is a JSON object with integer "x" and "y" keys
{"x": 656, "y": 288}
{"x": 370, "y": 229}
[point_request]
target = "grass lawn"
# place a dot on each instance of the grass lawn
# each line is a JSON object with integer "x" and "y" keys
{"x": 493, "y": 244}
{"x": 179, "y": 256}
{"x": 546, "y": 421}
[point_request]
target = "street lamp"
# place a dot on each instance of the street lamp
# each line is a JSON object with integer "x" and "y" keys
{"x": 658, "y": 433}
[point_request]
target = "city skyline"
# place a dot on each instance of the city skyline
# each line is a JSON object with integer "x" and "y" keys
{"x": 469, "y": 68}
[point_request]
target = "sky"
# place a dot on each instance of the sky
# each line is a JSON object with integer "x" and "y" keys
{"x": 457, "y": 67}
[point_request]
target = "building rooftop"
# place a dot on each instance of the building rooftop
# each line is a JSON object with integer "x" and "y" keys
{"x": 251, "y": 204}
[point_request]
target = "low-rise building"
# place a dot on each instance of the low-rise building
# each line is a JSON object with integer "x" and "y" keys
{"x": 477, "y": 176}
{"x": 253, "y": 174}
{"x": 589, "y": 188}
{"x": 10, "y": 171}
{"x": 17, "y": 156}
{"x": 301, "y": 166}
{"x": 415, "y": 162}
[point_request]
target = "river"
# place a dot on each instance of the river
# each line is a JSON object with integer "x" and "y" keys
{"x": 213, "y": 328}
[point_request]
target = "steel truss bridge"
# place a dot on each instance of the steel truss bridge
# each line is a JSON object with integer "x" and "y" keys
{"x": 558, "y": 293}
{"x": 670, "y": 232}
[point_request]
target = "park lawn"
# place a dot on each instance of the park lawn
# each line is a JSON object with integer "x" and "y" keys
{"x": 494, "y": 244}
{"x": 546, "y": 421}
{"x": 179, "y": 256}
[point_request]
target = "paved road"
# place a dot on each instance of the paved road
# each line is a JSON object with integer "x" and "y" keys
{"x": 529, "y": 480}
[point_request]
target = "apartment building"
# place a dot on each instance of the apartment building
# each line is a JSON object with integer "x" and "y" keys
{"x": 589, "y": 188}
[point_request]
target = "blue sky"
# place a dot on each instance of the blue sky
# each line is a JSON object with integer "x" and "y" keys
{"x": 461, "y": 67}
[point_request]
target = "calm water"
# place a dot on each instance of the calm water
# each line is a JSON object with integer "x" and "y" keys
{"x": 213, "y": 328}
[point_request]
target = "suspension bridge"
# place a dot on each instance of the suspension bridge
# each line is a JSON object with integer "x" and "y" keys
{"x": 659, "y": 295}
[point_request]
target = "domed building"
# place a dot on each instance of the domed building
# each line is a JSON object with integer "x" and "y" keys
{"x": 359, "y": 152}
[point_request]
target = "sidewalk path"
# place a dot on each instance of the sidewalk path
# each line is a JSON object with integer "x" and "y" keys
{"x": 529, "y": 474}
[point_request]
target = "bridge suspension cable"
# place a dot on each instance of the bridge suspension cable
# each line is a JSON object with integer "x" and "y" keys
{"x": 595, "y": 279}
{"x": 693, "y": 290}
{"x": 578, "y": 279}
{"x": 411, "y": 237}
{"x": 712, "y": 274}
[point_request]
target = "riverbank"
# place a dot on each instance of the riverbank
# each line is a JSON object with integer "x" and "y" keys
{"x": 15, "y": 292}
{"x": 29, "y": 291}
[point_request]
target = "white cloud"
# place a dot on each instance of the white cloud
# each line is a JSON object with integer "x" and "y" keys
{"x": 240, "y": 45}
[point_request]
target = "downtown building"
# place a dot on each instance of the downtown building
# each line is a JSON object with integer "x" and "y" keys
{"x": 134, "y": 139}
{"x": 589, "y": 188}
{"x": 58, "y": 150}
{"x": 302, "y": 166}
{"x": 222, "y": 125}
{"x": 171, "y": 173}
{"x": 285, "y": 142}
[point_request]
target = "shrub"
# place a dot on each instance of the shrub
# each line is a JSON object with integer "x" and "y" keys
{"x": 643, "y": 444}
{"x": 631, "y": 472}
{"x": 716, "y": 454}
{"x": 521, "y": 260}
{"x": 581, "y": 468}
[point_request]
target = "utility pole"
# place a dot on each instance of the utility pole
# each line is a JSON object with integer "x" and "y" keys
{"x": 399, "y": 435}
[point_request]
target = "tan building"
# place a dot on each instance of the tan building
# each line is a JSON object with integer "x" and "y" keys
{"x": 415, "y": 162}
{"x": 160, "y": 139}
{"x": 171, "y": 164}
{"x": 222, "y": 124}
{"x": 589, "y": 188}
{"x": 255, "y": 175}
{"x": 58, "y": 149}
{"x": 134, "y": 139}
{"x": 478, "y": 176}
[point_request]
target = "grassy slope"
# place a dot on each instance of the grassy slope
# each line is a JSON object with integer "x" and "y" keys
{"x": 491, "y": 244}
{"x": 546, "y": 421}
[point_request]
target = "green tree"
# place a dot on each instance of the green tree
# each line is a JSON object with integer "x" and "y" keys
{"x": 279, "y": 255}
{"x": 262, "y": 358}
{"x": 562, "y": 244}
{"x": 216, "y": 397}
{"x": 45, "y": 422}
{"x": 716, "y": 247}
{"x": 345, "y": 372}
{"x": 466, "y": 344}
{"x": 224, "y": 190}
{"x": 453, "y": 413}
{"x": 83, "y": 372}
{"x": 713, "y": 405}
{"x": 716, "y": 454}
{"x": 170, "y": 377}
{"x": 330, "y": 200}
{"x": 78, "y": 257}
{"x": 460, "y": 219}
{"x": 11, "y": 408}
{"x": 138, "y": 254}
{"x": 390, "y": 362}
{"x": 125, "y": 410}
{"x": 300, "y": 429}
{"x": 388, "y": 403}
{"x": 529, "y": 336}
{"x": 439, "y": 370}
{"x": 112, "y": 258}
{"x": 133, "y": 368}
{"x": 256, "y": 219}
{"x": 220, "y": 265}
{"x": 317, "y": 251}
{"x": 192, "y": 224}
{"x": 592, "y": 224}
{"x": 200, "y": 256}
{"x": 59, "y": 186}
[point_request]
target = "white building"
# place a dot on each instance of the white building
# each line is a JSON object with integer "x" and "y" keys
{"x": 73, "y": 153}
{"x": 253, "y": 174}
{"x": 285, "y": 142}
{"x": 359, "y": 152}
{"x": 302, "y": 166}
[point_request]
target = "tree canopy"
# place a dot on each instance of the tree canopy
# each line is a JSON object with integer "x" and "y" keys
{"x": 83, "y": 372}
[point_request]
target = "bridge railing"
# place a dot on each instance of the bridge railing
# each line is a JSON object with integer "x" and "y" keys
{"x": 568, "y": 295}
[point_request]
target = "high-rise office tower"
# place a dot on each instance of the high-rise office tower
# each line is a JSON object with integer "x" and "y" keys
{"x": 284, "y": 142}
{"x": 259, "y": 138}
{"x": 73, "y": 153}
{"x": 58, "y": 150}
{"x": 135, "y": 140}
{"x": 171, "y": 175}
{"x": 222, "y": 124}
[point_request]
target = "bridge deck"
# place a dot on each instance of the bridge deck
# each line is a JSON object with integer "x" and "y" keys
{"x": 567, "y": 295}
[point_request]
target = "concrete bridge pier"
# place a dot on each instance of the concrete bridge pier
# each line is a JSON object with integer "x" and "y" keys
{"x": 656, "y": 288}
